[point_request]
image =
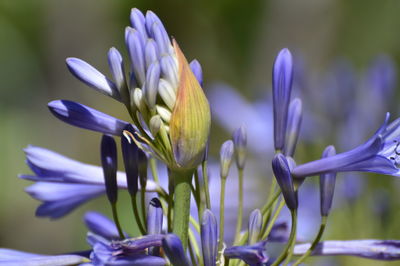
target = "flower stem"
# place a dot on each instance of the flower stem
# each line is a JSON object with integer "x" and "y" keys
{"x": 205, "y": 180}
{"x": 314, "y": 243}
{"x": 291, "y": 241}
{"x": 182, "y": 180}
{"x": 240, "y": 207}
{"x": 137, "y": 215}
{"x": 273, "y": 219}
{"x": 221, "y": 216}
{"x": 116, "y": 220}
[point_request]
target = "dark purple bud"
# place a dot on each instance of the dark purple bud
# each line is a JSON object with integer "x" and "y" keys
{"x": 130, "y": 156}
{"x": 284, "y": 178}
{"x": 255, "y": 224}
{"x": 226, "y": 154}
{"x": 240, "y": 140}
{"x": 142, "y": 158}
{"x": 109, "y": 163}
{"x": 282, "y": 78}
{"x": 253, "y": 255}
{"x": 293, "y": 127}
{"x": 327, "y": 184}
{"x": 197, "y": 71}
{"x": 173, "y": 248}
{"x": 209, "y": 238}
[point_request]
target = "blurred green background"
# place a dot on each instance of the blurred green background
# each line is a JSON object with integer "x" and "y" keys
{"x": 235, "y": 41}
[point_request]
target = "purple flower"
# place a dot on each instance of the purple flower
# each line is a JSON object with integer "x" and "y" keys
{"x": 63, "y": 184}
{"x": 209, "y": 238}
{"x": 282, "y": 79}
{"x": 12, "y": 257}
{"x": 253, "y": 255}
{"x": 79, "y": 115}
{"x": 371, "y": 249}
{"x": 380, "y": 154}
{"x": 127, "y": 252}
{"x": 173, "y": 248}
{"x": 327, "y": 184}
{"x": 282, "y": 174}
{"x": 101, "y": 225}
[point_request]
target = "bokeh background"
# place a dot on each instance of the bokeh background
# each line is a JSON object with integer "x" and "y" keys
{"x": 236, "y": 42}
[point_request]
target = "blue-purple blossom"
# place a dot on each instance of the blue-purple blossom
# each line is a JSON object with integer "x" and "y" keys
{"x": 209, "y": 238}
{"x": 82, "y": 116}
{"x": 63, "y": 184}
{"x": 130, "y": 156}
{"x": 101, "y": 225}
{"x": 130, "y": 251}
{"x": 371, "y": 249}
{"x": 173, "y": 248}
{"x": 282, "y": 79}
{"x": 108, "y": 154}
{"x": 380, "y": 154}
{"x": 293, "y": 126}
{"x": 327, "y": 184}
{"x": 254, "y": 226}
{"x": 254, "y": 255}
{"x": 282, "y": 175}
{"x": 12, "y": 257}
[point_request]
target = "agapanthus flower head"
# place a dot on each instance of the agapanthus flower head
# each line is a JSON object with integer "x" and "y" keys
{"x": 282, "y": 79}
{"x": 380, "y": 154}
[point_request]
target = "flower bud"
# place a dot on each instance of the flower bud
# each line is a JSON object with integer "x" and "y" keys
{"x": 154, "y": 221}
{"x": 130, "y": 156}
{"x": 173, "y": 248}
{"x": 226, "y": 154}
{"x": 240, "y": 141}
{"x": 282, "y": 78}
{"x": 252, "y": 254}
{"x": 284, "y": 178}
{"x": 327, "y": 184}
{"x": 109, "y": 163}
{"x": 209, "y": 238}
{"x": 293, "y": 127}
{"x": 255, "y": 224}
{"x": 142, "y": 158}
{"x": 190, "y": 120}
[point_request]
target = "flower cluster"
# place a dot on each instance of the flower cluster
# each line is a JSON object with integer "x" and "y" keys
{"x": 170, "y": 124}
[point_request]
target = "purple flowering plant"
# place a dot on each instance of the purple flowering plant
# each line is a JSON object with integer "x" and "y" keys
{"x": 170, "y": 124}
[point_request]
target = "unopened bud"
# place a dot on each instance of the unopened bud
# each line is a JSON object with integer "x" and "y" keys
{"x": 226, "y": 154}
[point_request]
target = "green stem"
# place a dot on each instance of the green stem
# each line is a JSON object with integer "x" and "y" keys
{"x": 143, "y": 205}
{"x": 314, "y": 243}
{"x": 272, "y": 222}
{"x": 221, "y": 216}
{"x": 182, "y": 180}
{"x": 136, "y": 214}
{"x": 291, "y": 241}
{"x": 205, "y": 181}
{"x": 240, "y": 207}
{"x": 153, "y": 169}
{"x": 116, "y": 220}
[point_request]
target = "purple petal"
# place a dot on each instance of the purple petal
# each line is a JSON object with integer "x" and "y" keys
{"x": 371, "y": 249}
{"x": 82, "y": 116}
{"x": 101, "y": 225}
{"x": 197, "y": 71}
{"x": 116, "y": 65}
{"x": 92, "y": 77}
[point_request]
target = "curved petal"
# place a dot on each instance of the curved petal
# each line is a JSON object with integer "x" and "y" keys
{"x": 92, "y": 77}
{"x": 82, "y": 116}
